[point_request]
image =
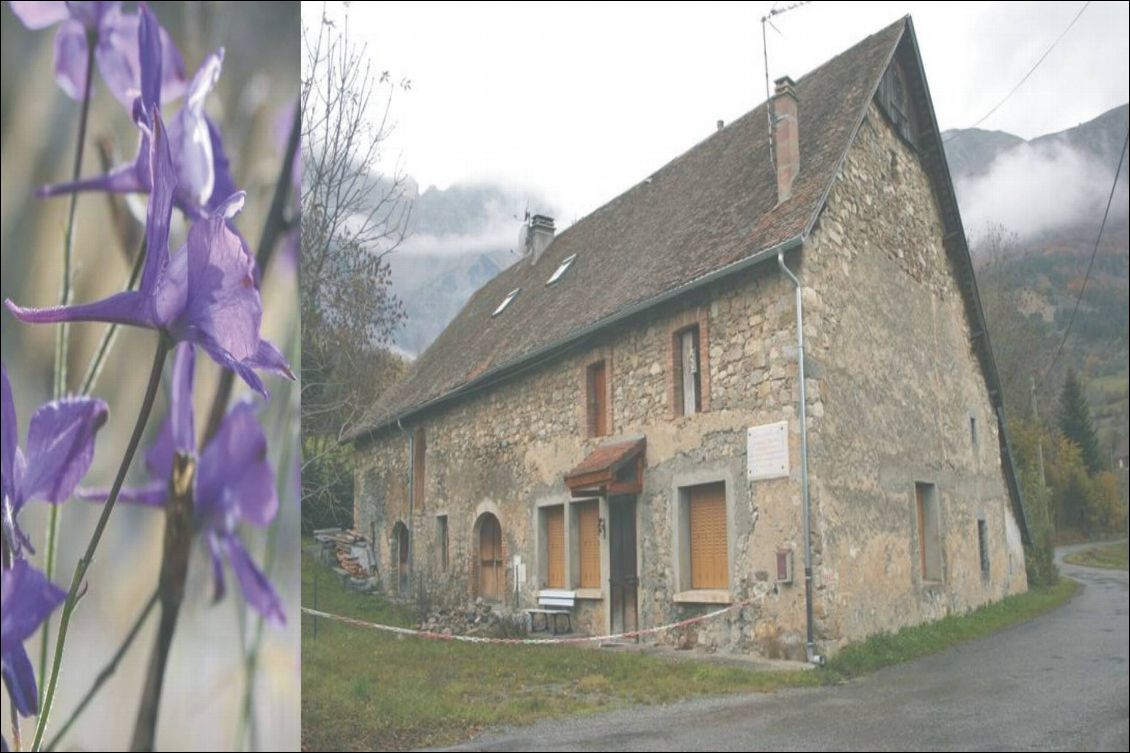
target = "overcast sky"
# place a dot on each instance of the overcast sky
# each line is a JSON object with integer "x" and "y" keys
{"x": 580, "y": 102}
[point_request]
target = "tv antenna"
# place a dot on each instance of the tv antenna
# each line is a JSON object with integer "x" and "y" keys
{"x": 767, "y": 20}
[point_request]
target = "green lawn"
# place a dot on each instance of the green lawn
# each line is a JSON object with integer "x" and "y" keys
{"x": 363, "y": 690}
{"x": 1108, "y": 557}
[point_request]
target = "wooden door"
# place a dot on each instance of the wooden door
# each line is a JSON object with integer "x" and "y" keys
{"x": 492, "y": 575}
{"x": 623, "y": 579}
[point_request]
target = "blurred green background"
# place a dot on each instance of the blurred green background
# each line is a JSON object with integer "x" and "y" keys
{"x": 202, "y": 704}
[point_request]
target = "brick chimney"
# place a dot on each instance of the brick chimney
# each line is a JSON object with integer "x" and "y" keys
{"x": 539, "y": 235}
{"x": 786, "y": 136}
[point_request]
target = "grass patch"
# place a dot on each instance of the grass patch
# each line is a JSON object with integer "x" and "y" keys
{"x": 885, "y": 649}
{"x": 1109, "y": 557}
{"x": 364, "y": 690}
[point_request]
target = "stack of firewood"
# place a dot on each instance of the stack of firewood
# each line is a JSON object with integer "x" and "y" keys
{"x": 342, "y": 546}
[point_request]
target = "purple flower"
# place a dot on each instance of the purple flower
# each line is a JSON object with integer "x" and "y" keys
{"x": 203, "y": 293}
{"x": 27, "y": 598}
{"x": 201, "y": 166}
{"x": 115, "y": 47}
{"x": 60, "y": 448}
{"x": 234, "y": 483}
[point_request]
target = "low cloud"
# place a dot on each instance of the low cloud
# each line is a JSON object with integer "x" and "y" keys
{"x": 496, "y": 233}
{"x": 1035, "y": 189}
{"x": 468, "y": 219}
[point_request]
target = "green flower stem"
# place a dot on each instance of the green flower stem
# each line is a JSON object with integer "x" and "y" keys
{"x": 62, "y": 338}
{"x": 83, "y": 565}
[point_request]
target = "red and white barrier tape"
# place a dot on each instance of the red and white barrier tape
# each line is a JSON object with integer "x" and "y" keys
{"x": 432, "y": 635}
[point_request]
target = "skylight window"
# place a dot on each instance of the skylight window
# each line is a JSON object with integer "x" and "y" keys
{"x": 506, "y": 301}
{"x": 561, "y": 269}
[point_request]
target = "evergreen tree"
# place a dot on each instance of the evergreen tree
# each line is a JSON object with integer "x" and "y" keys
{"x": 1076, "y": 424}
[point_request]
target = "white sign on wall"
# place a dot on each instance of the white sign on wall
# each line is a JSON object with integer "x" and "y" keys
{"x": 767, "y": 451}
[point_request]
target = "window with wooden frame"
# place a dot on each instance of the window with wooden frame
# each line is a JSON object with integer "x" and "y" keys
{"x": 706, "y": 537}
{"x": 687, "y": 371}
{"x": 442, "y": 542}
{"x": 929, "y": 533}
{"x": 588, "y": 543}
{"x": 596, "y": 398}
{"x": 419, "y": 453}
{"x": 554, "y": 520}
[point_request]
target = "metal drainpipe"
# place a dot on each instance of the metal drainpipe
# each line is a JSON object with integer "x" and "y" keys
{"x": 411, "y": 502}
{"x": 806, "y": 500}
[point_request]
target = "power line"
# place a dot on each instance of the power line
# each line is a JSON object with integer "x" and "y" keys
{"x": 1032, "y": 70}
{"x": 1091, "y": 263}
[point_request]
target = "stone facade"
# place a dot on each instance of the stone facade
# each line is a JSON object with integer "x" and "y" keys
{"x": 892, "y": 386}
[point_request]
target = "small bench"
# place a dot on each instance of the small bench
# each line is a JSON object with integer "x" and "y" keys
{"x": 553, "y": 603}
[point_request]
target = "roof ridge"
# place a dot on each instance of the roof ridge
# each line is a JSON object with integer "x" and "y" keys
{"x": 713, "y": 205}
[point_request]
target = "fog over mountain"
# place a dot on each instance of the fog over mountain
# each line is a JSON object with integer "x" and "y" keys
{"x": 1054, "y": 183}
{"x": 459, "y": 238}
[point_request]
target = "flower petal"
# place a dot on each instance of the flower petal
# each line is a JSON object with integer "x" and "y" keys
{"x": 235, "y": 480}
{"x": 60, "y": 447}
{"x": 153, "y": 494}
{"x": 71, "y": 59}
{"x": 223, "y": 185}
{"x": 117, "y": 54}
{"x": 19, "y": 677}
{"x": 241, "y": 368}
{"x": 204, "y": 81}
{"x": 39, "y": 15}
{"x": 128, "y": 178}
{"x": 160, "y": 211}
{"x": 191, "y": 139}
{"x": 130, "y": 307}
{"x": 223, "y": 305}
{"x": 181, "y": 415}
{"x": 257, "y": 590}
{"x": 150, "y": 57}
{"x": 174, "y": 78}
{"x": 268, "y": 358}
{"x": 26, "y": 599}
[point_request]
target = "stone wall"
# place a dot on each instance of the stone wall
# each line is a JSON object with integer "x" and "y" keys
{"x": 892, "y": 383}
{"x": 506, "y": 450}
{"x": 902, "y": 397}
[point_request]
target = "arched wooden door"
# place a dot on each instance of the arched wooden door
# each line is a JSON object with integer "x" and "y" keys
{"x": 401, "y": 539}
{"x": 492, "y": 574}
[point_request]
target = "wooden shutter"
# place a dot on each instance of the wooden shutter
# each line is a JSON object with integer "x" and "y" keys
{"x": 555, "y": 545}
{"x": 688, "y": 380}
{"x": 588, "y": 517}
{"x": 709, "y": 563}
{"x": 597, "y": 394}
{"x": 419, "y": 453}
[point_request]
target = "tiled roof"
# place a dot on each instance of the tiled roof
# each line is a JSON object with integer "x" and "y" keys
{"x": 608, "y": 457}
{"x": 711, "y": 207}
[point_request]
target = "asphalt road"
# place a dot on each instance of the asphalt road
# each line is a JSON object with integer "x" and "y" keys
{"x": 1056, "y": 682}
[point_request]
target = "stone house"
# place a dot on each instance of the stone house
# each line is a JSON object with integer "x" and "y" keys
{"x": 623, "y": 413}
